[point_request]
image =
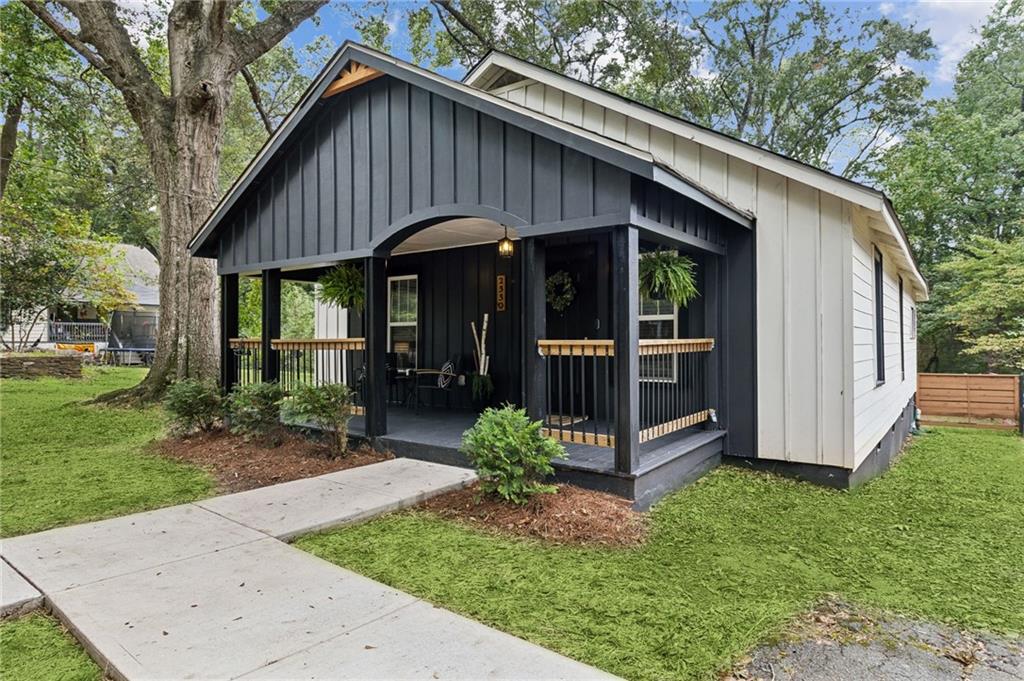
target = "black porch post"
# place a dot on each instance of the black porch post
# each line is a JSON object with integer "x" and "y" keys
{"x": 228, "y": 329}
{"x": 271, "y": 327}
{"x": 534, "y": 327}
{"x": 626, "y": 333}
{"x": 375, "y": 324}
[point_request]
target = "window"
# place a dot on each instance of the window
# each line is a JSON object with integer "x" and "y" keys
{"x": 658, "y": 319}
{"x": 403, "y": 297}
{"x": 903, "y": 355}
{"x": 879, "y": 319}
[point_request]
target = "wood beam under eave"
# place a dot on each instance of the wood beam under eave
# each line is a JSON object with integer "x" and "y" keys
{"x": 354, "y": 74}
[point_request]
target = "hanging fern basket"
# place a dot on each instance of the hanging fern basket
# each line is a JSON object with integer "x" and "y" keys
{"x": 666, "y": 275}
{"x": 343, "y": 286}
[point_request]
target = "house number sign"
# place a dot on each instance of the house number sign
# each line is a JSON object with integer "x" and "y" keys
{"x": 500, "y": 288}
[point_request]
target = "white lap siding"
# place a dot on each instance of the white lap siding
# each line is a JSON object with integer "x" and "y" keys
{"x": 876, "y": 406}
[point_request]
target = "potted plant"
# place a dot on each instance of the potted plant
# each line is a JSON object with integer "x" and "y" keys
{"x": 343, "y": 286}
{"x": 666, "y": 275}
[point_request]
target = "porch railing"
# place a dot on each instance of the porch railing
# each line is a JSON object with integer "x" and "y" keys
{"x": 580, "y": 395}
{"x": 309, "y": 361}
{"x": 673, "y": 385}
{"x": 579, "y": 402}
{"x": 77, "y": 332}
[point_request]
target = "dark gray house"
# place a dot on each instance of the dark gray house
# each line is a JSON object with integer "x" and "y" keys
{"x": 460, "y": 200}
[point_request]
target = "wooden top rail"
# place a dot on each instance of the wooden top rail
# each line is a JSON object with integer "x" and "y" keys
{"x": 606, "y": 348}
{"x": 676, "y": 346}
{"x": 303, "y": 343}
{"x": 577, "y": 348}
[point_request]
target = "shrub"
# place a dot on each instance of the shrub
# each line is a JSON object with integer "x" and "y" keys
{"x": 328, "y": 407}
{"x": 255, "y": 409}
{"x": 194, "y": 405}
{"x": 510, "y": 454}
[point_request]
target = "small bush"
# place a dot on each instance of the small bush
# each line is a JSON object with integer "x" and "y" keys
{"x": 510, "y": 454}
{"x": 328, "y": 407}
{"x": 255, "y": 409}
{"x": 194, "y": 405}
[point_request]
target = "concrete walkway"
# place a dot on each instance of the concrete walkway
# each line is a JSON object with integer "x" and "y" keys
{"x": 209, "y": 591}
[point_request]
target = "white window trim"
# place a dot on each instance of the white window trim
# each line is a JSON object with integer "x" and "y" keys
{"x": 665, "y": 316}
{"x": 416, "y": 323}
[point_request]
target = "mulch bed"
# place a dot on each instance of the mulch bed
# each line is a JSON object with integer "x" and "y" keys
{"x": 571, "y": 516}
{"x": 239, "y": 464}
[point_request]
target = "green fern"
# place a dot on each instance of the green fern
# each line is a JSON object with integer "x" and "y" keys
{"x": 343, "y": 286}
{"x": 668, "y": 275}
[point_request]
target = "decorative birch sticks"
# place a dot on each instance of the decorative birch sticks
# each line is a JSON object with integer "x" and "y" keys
{"x": 483, "y": 360}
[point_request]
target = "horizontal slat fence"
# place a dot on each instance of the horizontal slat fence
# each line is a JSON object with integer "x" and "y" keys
{"x": 990, "y": 400}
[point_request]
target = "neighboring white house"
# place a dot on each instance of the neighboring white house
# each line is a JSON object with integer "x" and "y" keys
{"x": 822, "y": 396}
{"x": 130, "y": 326}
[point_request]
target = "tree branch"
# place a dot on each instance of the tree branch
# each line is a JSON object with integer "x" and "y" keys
{"x": 69, "y": 37}
{"x": 454, "y": 13}
{"x": 252, "y": 44}
{"x": 254, "y": 91}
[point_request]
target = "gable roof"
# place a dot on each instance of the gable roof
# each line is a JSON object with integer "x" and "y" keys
{"x": 497, "y": 65}
{"x": 638, "y": 162}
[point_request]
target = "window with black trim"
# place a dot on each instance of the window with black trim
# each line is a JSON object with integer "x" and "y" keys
{"x": 879, "y": 318}
{"x": 903, "y": 354}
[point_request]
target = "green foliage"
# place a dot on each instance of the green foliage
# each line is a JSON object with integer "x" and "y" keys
{"x": 194, "y": 405}
{"x": 510, "y": 454}
{"x": 985, "y": 290}
{"x": 328, "y": 407}
{"x": 938, "y": 537}
{"x": 37, "y": 647}
{"x": 50, "y": 263}
{"x": 64, "y": 462}
{"x": 560, "y": 291}
{"x": 668, "y": 275}
{"x": 297, "y": 303}
{"x": 254, "y": 409}
{"x": 482, "y": 386}
{"x": 956, "y": 179}
{"x": 344, "y": 287}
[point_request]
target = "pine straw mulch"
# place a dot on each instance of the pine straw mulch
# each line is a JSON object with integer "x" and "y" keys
{"x": 239, "y": 464}
{"x": 573, "y": 516}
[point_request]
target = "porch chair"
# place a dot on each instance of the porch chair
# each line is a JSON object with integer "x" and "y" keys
{"x": 440, "y": 380}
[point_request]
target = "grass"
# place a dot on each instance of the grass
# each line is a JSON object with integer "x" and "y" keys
{"x": 65, "y": 462}
{"x": 36, "y": 647}
{"x": 731, "y": 559}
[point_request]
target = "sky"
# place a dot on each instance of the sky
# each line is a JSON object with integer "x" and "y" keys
{"x": 952, "y": 24}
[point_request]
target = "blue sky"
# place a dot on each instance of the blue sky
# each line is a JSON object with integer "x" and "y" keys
{"x": 952, "y": 24}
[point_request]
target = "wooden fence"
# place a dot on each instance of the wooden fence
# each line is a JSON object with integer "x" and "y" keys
{"x": 986, "y": 400}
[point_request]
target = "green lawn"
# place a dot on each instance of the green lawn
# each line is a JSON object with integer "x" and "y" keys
{"x": 731, "y": 558}
{"x": 36, "y": 648}
{"x": 64, "y": 462}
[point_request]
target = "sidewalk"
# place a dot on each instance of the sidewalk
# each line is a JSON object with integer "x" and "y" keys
{"x": 209, "y": 591}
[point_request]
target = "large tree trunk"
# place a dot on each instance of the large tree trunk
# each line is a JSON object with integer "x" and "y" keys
{"x": 186, "y": 160}
{"x": 9, "y": 140}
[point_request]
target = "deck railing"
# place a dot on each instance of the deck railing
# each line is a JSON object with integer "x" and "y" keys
{"x": 580, "y": 393}
{"x": 309, "y": 361}
{"x": 77, "y": 332}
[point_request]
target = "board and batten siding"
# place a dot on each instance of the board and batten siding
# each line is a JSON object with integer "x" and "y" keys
{"x": 804, "y": 262}
{"x": 370, "y": 159}
{"x": 876, "y": 406}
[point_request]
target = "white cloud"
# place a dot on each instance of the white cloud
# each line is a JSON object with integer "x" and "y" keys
{"x": 887, "y": 8}
{"x": 954, "y": 27}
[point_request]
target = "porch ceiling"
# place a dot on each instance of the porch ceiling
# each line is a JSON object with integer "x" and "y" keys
{"x": 453, "y": 234}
